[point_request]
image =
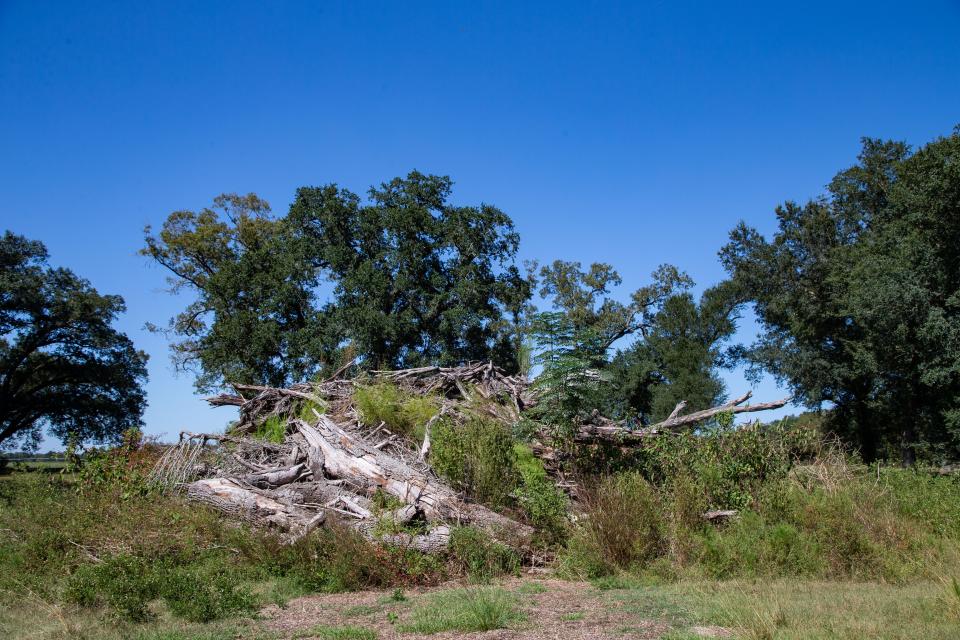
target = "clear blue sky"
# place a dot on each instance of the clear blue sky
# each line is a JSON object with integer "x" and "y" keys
{"x": 633, "y": 133}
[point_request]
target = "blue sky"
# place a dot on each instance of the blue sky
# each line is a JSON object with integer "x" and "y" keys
{"x": 632, "y": 133}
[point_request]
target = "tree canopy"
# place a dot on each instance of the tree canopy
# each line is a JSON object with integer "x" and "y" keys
{"x": 410, "y": 278}
{"x": 62, "y": 365}
{"x": 254, "y": 317}
{"x": 858, "y": 296}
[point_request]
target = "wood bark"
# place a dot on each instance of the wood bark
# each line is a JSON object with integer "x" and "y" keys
{"x": 616, "y": 432}
{"x": 345, "y": 456}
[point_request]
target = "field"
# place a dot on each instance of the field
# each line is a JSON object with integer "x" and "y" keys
{"x": 821, "y": 548}
{"x": 549, "y": 608}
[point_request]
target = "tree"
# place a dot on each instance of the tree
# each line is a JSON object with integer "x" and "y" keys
{"x": 417, "y": 280}
{"x": 254, "y": 317}
{"x": 584, "y": 297}
{"x": 858, "y": 296}
{"x": 62, "y": 366}
{"x": 678, "y": 341}
{"x": 676, "y": 359}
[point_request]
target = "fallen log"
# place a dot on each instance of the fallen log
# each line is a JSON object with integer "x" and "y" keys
{"x": 343, "y": 456}
{"x": 604, "y": 429}
{"x": 258, "y": 508}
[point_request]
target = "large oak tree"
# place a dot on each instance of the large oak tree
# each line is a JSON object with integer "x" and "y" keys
{"x": 62, "y": 365}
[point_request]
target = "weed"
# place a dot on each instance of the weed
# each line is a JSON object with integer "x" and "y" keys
{"x": 403, "y": 412}
{"x": 531, "y": 588}
{"x": 273, "y": 429}
{"x": 477, "y": 457}
{"x": 481, "y": 557}
{"x": 464, "y": 610}
{"x": 339, "y": 633}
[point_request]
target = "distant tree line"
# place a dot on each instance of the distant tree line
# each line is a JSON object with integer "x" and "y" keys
{"x": 857, "y": 295}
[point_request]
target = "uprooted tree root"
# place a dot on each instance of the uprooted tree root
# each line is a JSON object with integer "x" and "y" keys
{"x": 330, "y": 465}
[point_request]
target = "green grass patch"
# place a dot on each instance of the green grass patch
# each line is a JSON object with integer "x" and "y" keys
{"x": 464, "y": 610}
{"x": 338, "y": 633}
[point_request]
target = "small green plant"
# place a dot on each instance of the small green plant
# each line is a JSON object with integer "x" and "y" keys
{"x": 531, "y": 588}
{"x": 309, "y": 410}
{"x": 273, "y": 429}
{"x": 464, "y": 610}
{"x": 572, "y": 617}
{"x": 340, "y": 633}
{"x": 545, "y": 505}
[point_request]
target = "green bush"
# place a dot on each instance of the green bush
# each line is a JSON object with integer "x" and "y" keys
{"x": 481, "y": 557}
{"x": 403, "y": 412}
{"x": 205, "y": 593}
{"x": 476, "y": 457}
{"x": 545, "y": 505}
{"x": 124, "y": 583}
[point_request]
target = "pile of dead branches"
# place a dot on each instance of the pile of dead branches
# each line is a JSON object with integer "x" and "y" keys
{"x": 329, "y": 465}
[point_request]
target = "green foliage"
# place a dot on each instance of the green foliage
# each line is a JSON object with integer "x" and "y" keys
{"x": 417, "y": 280}
{"x": 538, "y": 496}
{"x": 201, "y": 593}
{"x": 309, "y": 409}
{"x": 56, "y": 339}
{"x": 857, "y": 295}
{"x": 571, "y": 380}
{"x": 403, "y": 412}
{"x": 127, "y": 584}
{"x": 823, "y": 519}
{"x": 582, "y": 297}
{"x": 464, "y": 610}
{"x": 477, "y": 457}
{"x": 481, "y": 557}
{"x": 124, "y": 468}
{"x": 676, "y": 359}
{"x": 273, "y": 429}
{"x": 254, "y": 316}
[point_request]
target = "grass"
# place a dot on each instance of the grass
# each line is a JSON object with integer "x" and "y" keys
{"x": 464, "y": 610}
{"x": 338, "y": 633}
{"x": 807, "y": 610}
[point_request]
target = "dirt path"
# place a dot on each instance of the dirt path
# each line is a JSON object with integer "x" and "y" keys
{"x": 552, "y": 609}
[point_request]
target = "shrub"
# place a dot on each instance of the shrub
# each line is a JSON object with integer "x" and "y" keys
{"x": 476, "y": 457}
{"x": 204, "y": 593}
{"x": 481, "y": 557}
{"x": 625, "y": 522}
{"x": 124, "y": 583}
{"x": 403, "y": 412}
{"x": 544, "y": 504}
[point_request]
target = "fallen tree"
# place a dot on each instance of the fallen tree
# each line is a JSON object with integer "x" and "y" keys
{"x": 329, "y": 466}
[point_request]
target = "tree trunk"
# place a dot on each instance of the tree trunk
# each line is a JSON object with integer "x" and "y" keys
{"x": 343, "y": 456}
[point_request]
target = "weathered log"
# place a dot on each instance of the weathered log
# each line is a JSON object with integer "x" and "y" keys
{"x": 255, "y": 507}
{"x": 263, "y": 509}
{"x": 604, "y": 429}
{"x": 347, "y": 457}
{"x": 274, "y": 478}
